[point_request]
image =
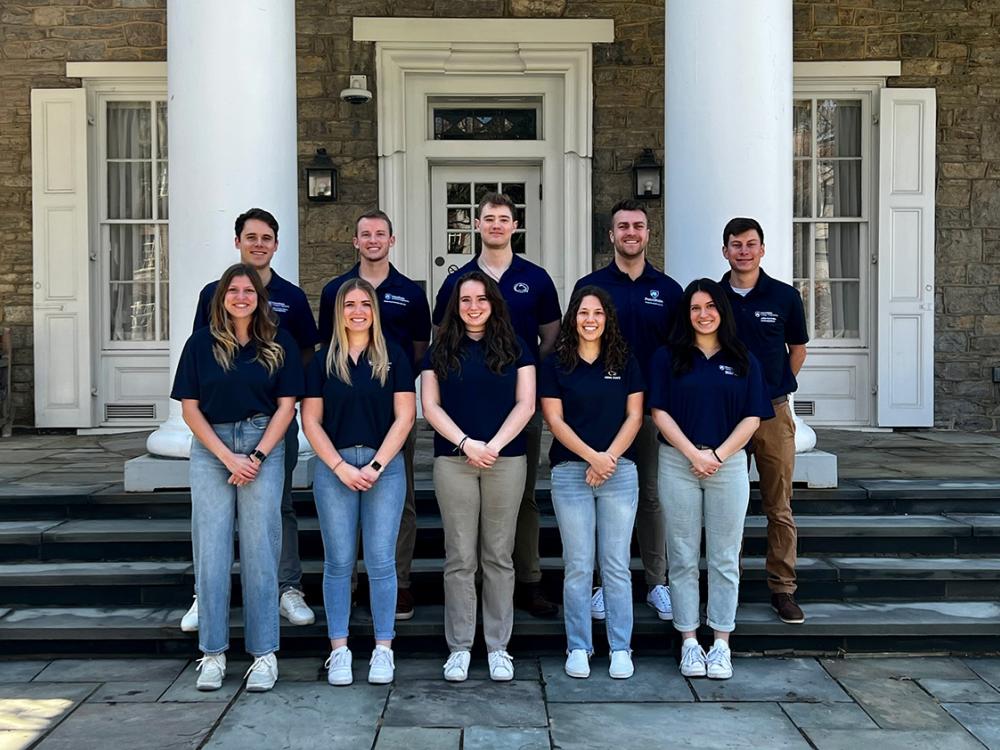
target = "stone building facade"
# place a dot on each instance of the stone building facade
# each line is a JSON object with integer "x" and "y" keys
{"x": 952, "y": 46}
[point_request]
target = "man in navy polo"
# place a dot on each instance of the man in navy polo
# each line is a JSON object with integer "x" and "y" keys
{"x": 257, "y": 242}
{"x": 534, "y": 312}
{"x": 771, "y": 322}
{"x": 406, "y": 320}
{"x": 646, "y": 301}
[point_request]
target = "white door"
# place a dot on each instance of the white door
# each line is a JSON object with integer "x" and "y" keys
{"x": 455, "y": 195}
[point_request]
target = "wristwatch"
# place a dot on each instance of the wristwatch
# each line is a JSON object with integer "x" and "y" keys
{"x": 376, "y": 465}
{"x": 258, "y": 454}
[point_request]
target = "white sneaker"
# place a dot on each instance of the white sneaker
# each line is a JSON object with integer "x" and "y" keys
{"x": 456, "y": 669}
{"x": 338, "y": 667}
{"x": 501, "y": 666}
{"x": 263, "y": 673}
{"x": 189, "y": 622}
{"x": 292, "y": 606}
{"x": 659, "y": 599}
{"x": 382, "y": 667}
{"x": 719, "y": 661}
{"x": 212, "y": 671}
{"x": 597, "y": 609}
{"x": 621, "y": 665}
{"x": 692, "y": 659}
{"x": 578, "y": 663}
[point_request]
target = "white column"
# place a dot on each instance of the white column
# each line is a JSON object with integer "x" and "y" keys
{"x": 728, "y": 135}
{"x": 232, "y": 145}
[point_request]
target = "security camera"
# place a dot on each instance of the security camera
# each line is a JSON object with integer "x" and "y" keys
{"x": 357, "y": 92}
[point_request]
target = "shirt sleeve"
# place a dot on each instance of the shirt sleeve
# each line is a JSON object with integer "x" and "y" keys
{"x": 441, "y": 301}
{"x": 796, "y": 331}
{"x": 186, "y": 382}
{"x": 326, "y": 300}
{"x": 425, "y": 362}
{"x": 659, "y": 377}
{"x": 304, "y": 327}
{"x": 757, "y": 402}
{"x": 202, "y": 313}
{"x": 547, "y": 309}
{"x": 314, "y": 375}
{"x": 290, "y": 379}
{"x": 633, "y": 376}
{"x": 400, "y": 372}
{"x": 548, "y": 379}
{"x": 527, "y": 359}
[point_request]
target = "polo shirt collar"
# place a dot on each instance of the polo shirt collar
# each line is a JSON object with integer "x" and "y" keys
{"x": 764, "y": 282}
{"x": 355, "y": 273}
{"x": 648, "y": 271}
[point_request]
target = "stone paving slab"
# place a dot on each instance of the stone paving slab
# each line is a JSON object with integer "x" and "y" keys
{"x": 129, "y": 692}
{"x": 898, "y": 704}
{"x": 25, "y": 455}
{"x": 303, "y": 716}
{"x": 163, "y": 726}
{"x": 983, "y": 720}
{"x": 788, "y": 680}
{"x": 961, "y": 691}
{"x": 918, "y": 568}
{"x": 475, "y": 702}
{"x": 112, "y": 670}
{"x": 688, "y": 725}
{"x": 123, "y": 572}
{"x": 121, "y": 530}
{"x": 183, "y": 689}
{"x": 656, "y": 679}
{"x": 418, "y": 738}
{"x": 491, "y": 738}
{"x": 982, "y": 524}
{"x": 24, "y": 532}
{"x": 913, "y": 667}
{"x": 11, "y": 740}
{"x": 988, "y": 668}
{"x": 84, "y": 623}
{"x": 21, "y": 670}
{"x": 28, "y": 711}
{"x": 828, "y": 715}
{"x": 853, "y": 739}
{"x": 73, "y": 484}
{"x": 408, "y": 669}
{"x": 866, "y": 526}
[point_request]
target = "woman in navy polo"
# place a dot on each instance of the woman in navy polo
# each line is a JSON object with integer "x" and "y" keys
{"x": 359, "y": 407}
{"x": 591, "y": 391}
{"x": 707, "y": 397}
{"x": 237, "y": 380}
{"x": 478, "y": 393}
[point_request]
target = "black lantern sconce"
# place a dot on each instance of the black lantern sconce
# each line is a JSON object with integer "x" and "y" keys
{"x": 321, "y": 178}
{"x": 647, "y": 176}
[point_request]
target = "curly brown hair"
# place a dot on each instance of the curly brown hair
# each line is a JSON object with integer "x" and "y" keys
{"x": 614, "y": 348}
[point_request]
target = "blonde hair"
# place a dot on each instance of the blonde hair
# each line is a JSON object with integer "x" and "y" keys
{"x": 376, "y": 351}
{"x": 263, "y": 325}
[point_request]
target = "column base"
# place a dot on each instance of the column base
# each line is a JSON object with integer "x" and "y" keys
{"x": 814, "y": 468}
{"x": 149, "y": 473}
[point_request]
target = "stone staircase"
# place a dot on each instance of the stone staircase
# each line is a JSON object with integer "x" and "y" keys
{"x": 885, "y": 565}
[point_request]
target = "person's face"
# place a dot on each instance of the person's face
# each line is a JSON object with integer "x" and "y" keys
{"x": 257, "y": 244}
{"x": 705, "y": 317}
{"x": 357, "y": 311}
{"x": 744, "y": 251}
{"x": 496, "y": 225}
{"x": 473, "y": 307}
{"x": 629, "y": 233}
{"x": 241, "y": 298}
{"x": 590, "y": 319}
{"x": 372, "y": 239}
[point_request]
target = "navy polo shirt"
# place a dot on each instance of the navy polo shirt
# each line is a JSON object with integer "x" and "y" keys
{"x": 593, "y": 401}
{"x": 402, "y": 306}
{"x": 247, "y": 389}
{"x": 528, "y": 290}
{"x": 477, "y": 399}
{"x": 360, "y": 413}
{"x": 767, "y": 318}
{"x": 288, "y": 302}
{"x": 709, "y": 400}
{"x": 646, "y": 307}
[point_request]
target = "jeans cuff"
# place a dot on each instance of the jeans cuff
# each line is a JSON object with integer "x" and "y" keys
{"x": 721, "y": 629}
{"x": 685, "y": 628}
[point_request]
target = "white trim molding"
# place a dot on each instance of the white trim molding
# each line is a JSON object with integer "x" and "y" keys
{"x": 131, "y": 70}
{"x": 860, "y": 69}
{"x": 491, "y": 30}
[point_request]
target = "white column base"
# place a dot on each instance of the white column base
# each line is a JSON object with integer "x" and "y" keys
{"x": 149, "y": 473}
{"x": 172, "y": 439}
{"x": 815, "y": 469}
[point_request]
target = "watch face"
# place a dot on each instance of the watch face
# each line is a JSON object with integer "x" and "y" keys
{"x": 377, "y": 466}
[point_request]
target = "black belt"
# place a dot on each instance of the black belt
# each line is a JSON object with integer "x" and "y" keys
{"x": 779, "y": 400}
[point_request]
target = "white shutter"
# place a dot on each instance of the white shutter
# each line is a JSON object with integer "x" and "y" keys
{"x": 61, "y": 258}
{"x": 906, "y": 258}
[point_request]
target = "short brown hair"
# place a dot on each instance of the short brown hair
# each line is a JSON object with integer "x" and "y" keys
{"x": 496, "y": 199}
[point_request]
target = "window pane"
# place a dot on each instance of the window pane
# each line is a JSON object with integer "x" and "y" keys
{"x": 482, "y": 188}
{"x": 161, "y": 191}
{"x": 161, "y": 129}
{"x": 800, "y": 250}
{"x": 838, "y": 251}
{"x": 519, "y": 218}
{"x": 838, "y": 309}
{"x": 459, "y": 218}
{"x": 514, "y": 191}
{"x": 129, "y": 130}
{"x": 838, "y": 186}
{"x": 133, "y": 310}
{"x": 838, "y": 127}
{"x": 802, "y": 194}
{"x": 802, "y": 124}
{"x": 132, "y": 252}
{"x": 164, "y": 313}
{"x": 164, "y": 254}
{"x": 129, "y": 190}
{"x": 459, "y": 242}
{"x": 802, "y": 286}
{"x": 517, "y": 242}
{"x": 485, "y": 124}
{"x": 458, "y": 192}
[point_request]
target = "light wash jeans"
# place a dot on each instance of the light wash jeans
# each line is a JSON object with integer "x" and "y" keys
{"x": 256, "y": 511}
{"x": 340, "y": 511}
{"x": 609, "y": 511}
{"x": 289, "y": 565}
{"x": 721, "y": 500}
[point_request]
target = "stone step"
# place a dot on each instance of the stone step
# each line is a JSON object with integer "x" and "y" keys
{"x": 829, "y": 627}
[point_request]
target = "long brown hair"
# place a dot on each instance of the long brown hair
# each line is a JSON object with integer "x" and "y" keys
{"x": 263, "y": 324}
{"x": 377, "y": 351}
{"x": 614, "y": 349}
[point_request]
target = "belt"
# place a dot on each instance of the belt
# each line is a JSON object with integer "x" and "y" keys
{"x": 779, "y": 400}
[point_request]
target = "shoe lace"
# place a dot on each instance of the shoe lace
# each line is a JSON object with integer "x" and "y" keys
{"x": 501, "y": 659}
{"x": 338, "y": 658}
{"x": 382, "y": 658}
{"x": 660, "y": 595}
{"x": 260, "y": 664}
{"x": 294, "y": 599}
{"x": 597, "y": 600}
{"x": 692, "y": 656}
{"x": 454, "y": 660}
{"x": 210, "y": 660}
{"x": 718, "y": 656}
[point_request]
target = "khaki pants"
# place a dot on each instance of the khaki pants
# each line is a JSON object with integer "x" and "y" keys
{"x": 526, "y": 565}
{"x": 407, "y": 538}
{"x": 773, "y": 445}
{"x": 479, "y": 511}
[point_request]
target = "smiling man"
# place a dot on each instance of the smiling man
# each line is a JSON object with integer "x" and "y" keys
{"x": 646, "y": 301}
{"x": 534, "y": 312}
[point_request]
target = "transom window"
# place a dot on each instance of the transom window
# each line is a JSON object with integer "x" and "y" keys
{"x": 463, "y": 200}
{"x": 133, "y": 221}
{"x": 830, "y": 234}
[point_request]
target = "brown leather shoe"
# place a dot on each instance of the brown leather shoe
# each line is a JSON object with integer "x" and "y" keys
{"x": 788, "y": 611}
{"x": 404, "y": 604}
{"x": 529, "y": 597}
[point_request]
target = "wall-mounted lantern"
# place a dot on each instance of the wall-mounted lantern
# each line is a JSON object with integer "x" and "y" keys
{"x": 321, "y": 178}
{"x": 647, "y": 176}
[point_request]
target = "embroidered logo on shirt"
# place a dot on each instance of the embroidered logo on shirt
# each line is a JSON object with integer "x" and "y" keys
{"x": 727, "y": 370}
{"x": 279, "y": 307}
{"x": 395, "y": 299}
{"x": 653, "y": 298}
{"x": 521, "y": 288}
{"x": 612, "y": 375}
{"x": 766, "y": 317}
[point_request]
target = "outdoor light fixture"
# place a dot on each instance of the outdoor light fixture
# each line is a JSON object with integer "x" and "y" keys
{"x": 647, "y": 175}
{"x": 321, "y": 178}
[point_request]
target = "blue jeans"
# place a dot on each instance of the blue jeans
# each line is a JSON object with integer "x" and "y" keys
{"x": 378, "y": 510}
{"x": 289, "y": 565}
{"x": 721, "y": 500}
{"x": 609, "y": 511}
{"x": 256, "y": 511}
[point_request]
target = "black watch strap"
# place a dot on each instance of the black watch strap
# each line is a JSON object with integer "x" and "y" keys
{"x": 258, "y": 454}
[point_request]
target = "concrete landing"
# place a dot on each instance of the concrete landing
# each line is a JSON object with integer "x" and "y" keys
{"x": 148, "y": 473}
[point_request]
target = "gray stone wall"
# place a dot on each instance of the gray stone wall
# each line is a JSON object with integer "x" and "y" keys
{"x": 952, "y": 46}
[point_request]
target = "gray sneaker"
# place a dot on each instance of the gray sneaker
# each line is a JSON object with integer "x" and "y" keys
{"x": 211, "y": 671}
{"x": 263, "y": 673}
{"x": 292, "y": 606}
{"x": 189, "y": 622}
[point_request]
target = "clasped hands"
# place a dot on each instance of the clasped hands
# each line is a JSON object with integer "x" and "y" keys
{"x": 600, "y": 469}
{"x": 704, "y": 463}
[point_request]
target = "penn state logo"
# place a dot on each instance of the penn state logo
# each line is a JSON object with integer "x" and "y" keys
{"x": 654, "y": 293}
{"x": 521, "y": 288}
{"x": 757, "y": 314}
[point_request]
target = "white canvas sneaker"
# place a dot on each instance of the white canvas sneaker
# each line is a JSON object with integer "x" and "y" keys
{"x": 382, "y": 667}
{"x": 621, "y": 665}
{"x": 719, "y": 661}
{"x": 578, "y": 663}
{"x": 338, "y": 667}
{"x": 501, "y": 666}
{"x": 597, "y": 608}
{"x": 263, "y": 673}
{"x": 456, "y": 669}
{"x": 292, "y": 606}
{"x": 189, "y": 622}
{"x": 692, "y": 659}
{"x": 211, "y": 671}
{"x": 659, "y": 599}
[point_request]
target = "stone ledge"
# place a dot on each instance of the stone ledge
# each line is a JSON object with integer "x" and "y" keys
{"x": 147, "y": 473}
{"x": 813, "y": 469}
